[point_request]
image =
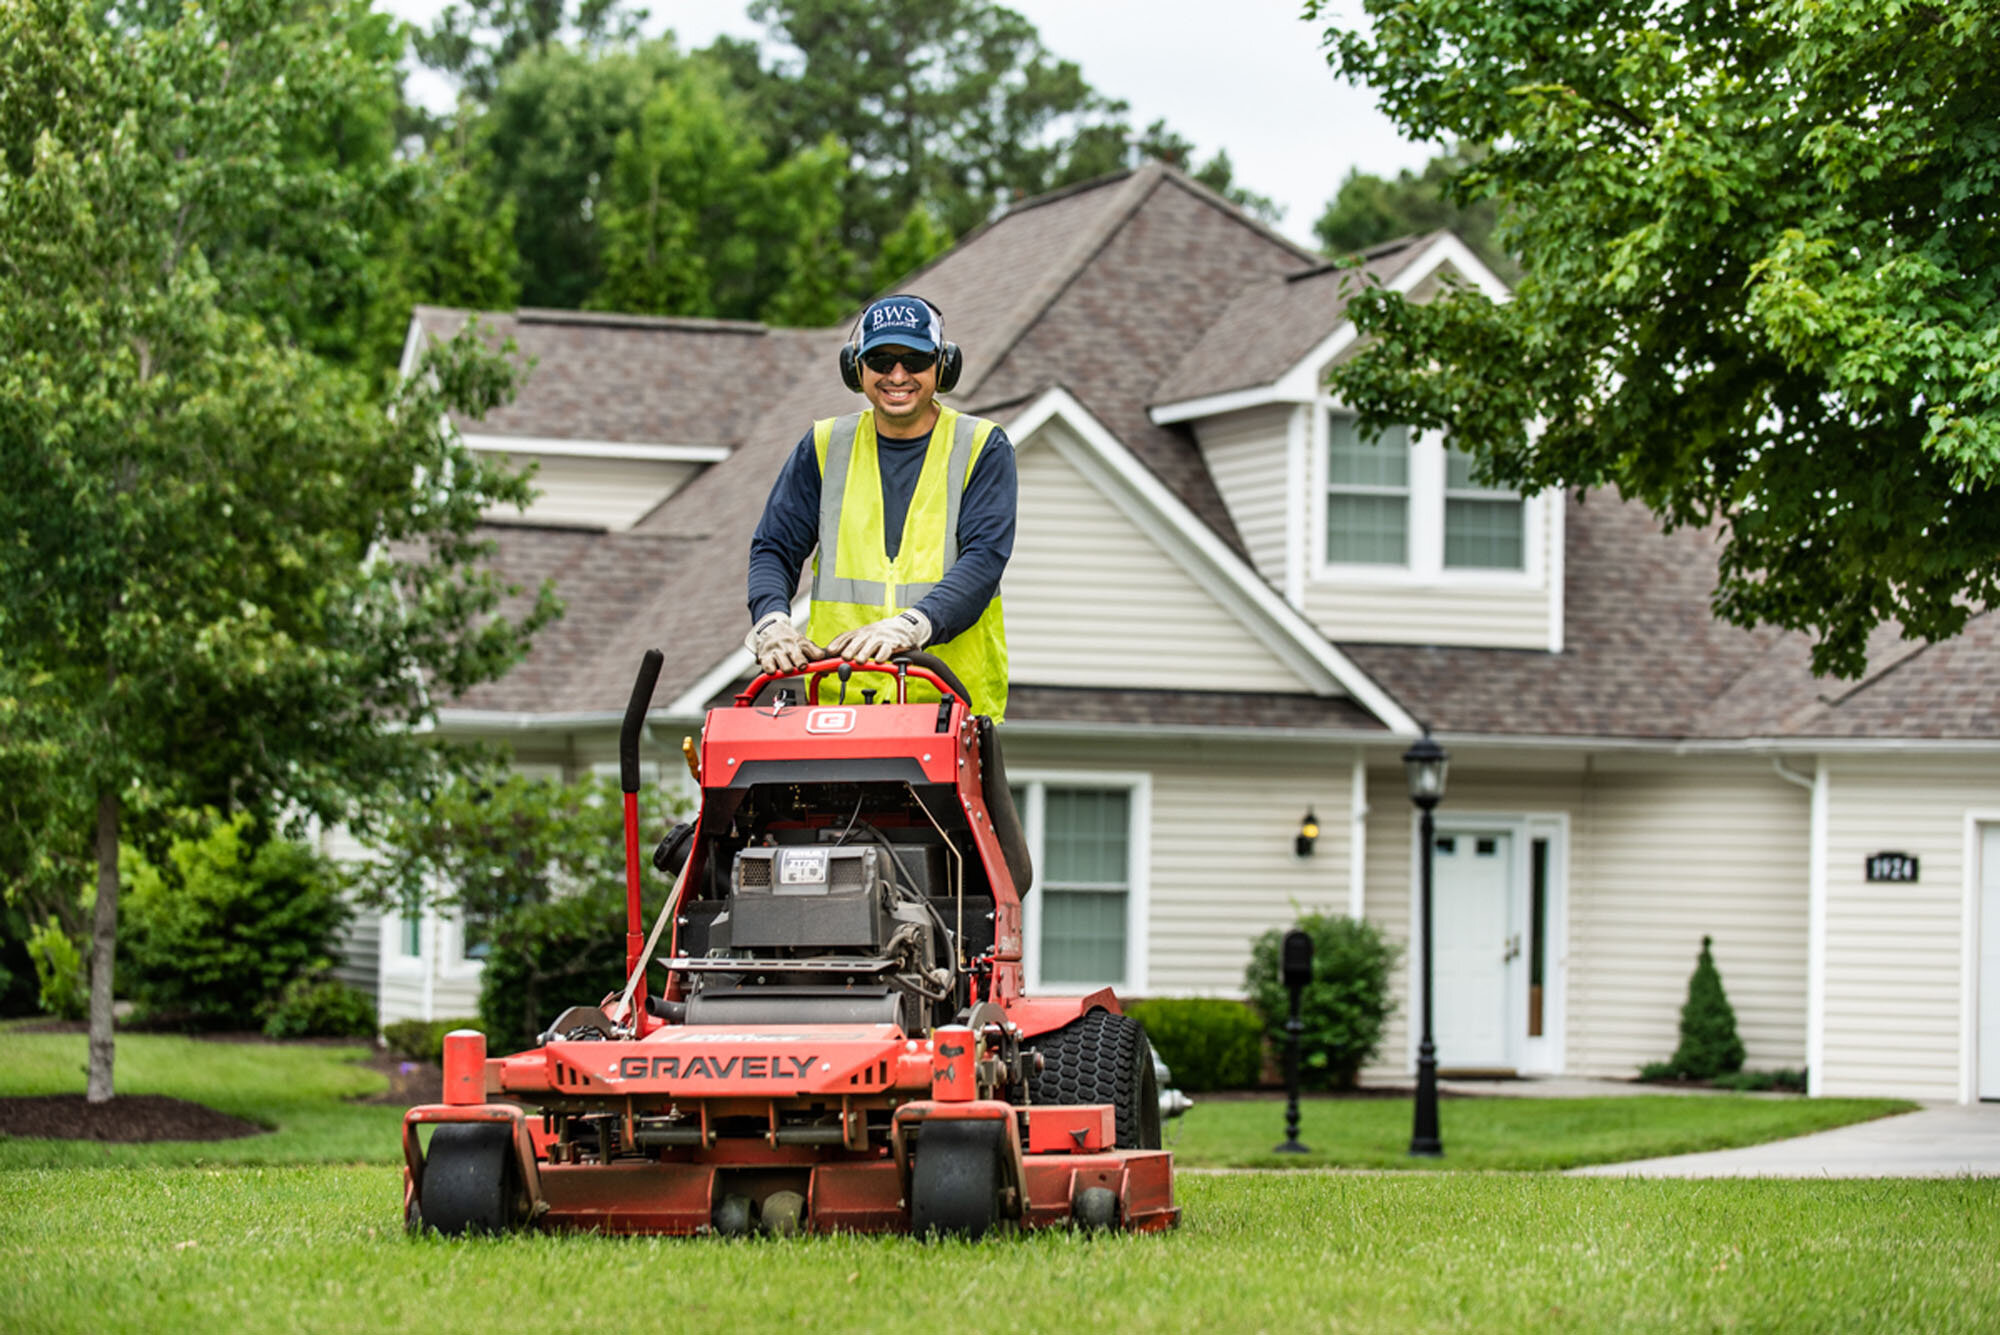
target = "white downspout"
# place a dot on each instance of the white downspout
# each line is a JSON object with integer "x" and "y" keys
{"x": 1357, "y": 836}
{"x": 1816, "y": 891}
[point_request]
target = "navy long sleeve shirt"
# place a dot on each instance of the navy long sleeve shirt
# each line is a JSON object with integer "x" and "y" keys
{"x": 789, "y": 530}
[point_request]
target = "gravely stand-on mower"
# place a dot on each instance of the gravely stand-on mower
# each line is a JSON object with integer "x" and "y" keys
{"x": 841, "y": 1041}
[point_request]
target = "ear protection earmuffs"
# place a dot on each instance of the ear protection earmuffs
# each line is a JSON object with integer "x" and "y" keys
{"x": 950, "y": 362}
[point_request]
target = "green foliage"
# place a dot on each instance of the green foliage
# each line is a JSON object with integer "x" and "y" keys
{"x": 1709, "y": 1046}
{"x": 1206, "y": 1043}
{"x": 212, "y": 935}
{"x": 231, "y": 573}
{"x": 475, "y": 41}
{"x": 321, "y": 1007}
{"x": 423, "y": 1040}
{"x": 547, "y": 141}
{"x": 1344, "y": 1007}
{"x": 20, "y": 990}
{"x": 696, "y": 223}
{"x": 1761, "y": 284}
{"x": 917, "y": 240}
{"x": 1757, "y": 1082}
{"x": 63, "y": 990}
{"x": 539, "y": 866}
{"x": 1369, "y": 210}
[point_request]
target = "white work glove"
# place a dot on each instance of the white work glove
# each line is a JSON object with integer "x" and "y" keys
{"x": 880, "y": 640}
{"x": 779, "y": 646}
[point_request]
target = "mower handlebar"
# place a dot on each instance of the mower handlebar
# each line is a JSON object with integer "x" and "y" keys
{"x": 635, "y": 719}
{"x": 916, "y": 663}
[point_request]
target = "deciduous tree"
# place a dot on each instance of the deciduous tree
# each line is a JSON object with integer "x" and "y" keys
{"x": 1761, "y": 289}
{"x": 226, "y": 566}
{"x": 1370, "y": 209}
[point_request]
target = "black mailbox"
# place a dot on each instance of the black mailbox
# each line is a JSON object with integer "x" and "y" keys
{"x": 1298, "y": 957}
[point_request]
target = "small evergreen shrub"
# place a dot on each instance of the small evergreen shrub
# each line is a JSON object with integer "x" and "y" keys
{"x": 1207, "y": 1043}
{"x": 1757, "y": 1082}
{"x": 316, "y": 1006}
{"x": 1709, "y": 1046}
{"x": 210, "y": 936}
{"x": 1345, "y": 1007}
{"x": 423, "y": 1040}
{"x": 64, "y": 988}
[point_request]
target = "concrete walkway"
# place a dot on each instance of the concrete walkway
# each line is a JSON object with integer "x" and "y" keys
{"x": 1939, "y": 1140}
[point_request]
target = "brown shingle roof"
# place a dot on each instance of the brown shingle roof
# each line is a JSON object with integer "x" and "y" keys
{"x": 630, "y": 378}
{"x": 1276, "y": 321}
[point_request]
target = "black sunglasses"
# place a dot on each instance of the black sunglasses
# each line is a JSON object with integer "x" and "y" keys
{"x": 883, "y": 360}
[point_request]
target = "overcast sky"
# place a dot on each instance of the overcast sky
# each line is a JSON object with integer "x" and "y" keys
{"x": 1248, "y": 76}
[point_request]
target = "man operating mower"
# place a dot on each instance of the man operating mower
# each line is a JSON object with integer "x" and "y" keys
{"x": 910, "y": 505}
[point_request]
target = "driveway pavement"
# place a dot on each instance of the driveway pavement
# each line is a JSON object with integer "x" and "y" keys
{"x": 1939, "y": 1140}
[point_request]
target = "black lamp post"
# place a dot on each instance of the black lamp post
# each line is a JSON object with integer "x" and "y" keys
{"x": 1425, "y": 764}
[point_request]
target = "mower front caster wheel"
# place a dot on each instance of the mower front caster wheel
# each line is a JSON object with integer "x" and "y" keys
{"x": 471, "y": 1182}
{"x": 955, "y": 1178}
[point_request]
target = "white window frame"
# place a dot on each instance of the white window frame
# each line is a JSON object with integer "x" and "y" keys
{"x": 1426, "y": 567}
{"x": 1035, "y": 784}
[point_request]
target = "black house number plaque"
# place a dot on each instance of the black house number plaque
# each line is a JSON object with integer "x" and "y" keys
{"x": 1891, "y": 867}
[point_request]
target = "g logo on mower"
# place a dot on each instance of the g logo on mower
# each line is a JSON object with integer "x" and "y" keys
{"x": 830, "y": 720}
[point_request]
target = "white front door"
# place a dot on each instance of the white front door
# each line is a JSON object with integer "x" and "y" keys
{"x": 1989, "y": 962}
{"x": 1474, "y": 917}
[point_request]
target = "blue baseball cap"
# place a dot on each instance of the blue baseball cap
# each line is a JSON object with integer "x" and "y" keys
{"x": 906, "y": 322}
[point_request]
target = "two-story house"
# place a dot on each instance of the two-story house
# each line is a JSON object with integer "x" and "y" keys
{"x": 1226, "y": 611}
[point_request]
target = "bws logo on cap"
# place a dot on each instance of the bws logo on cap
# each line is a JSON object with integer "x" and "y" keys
{"x": 891, "y": 314}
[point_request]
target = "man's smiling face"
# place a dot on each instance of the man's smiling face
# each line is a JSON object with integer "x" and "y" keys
{"x": 904, "y": 401}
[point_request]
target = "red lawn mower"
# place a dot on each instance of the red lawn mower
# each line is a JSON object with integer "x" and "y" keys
{"x": 840, "y": 1040}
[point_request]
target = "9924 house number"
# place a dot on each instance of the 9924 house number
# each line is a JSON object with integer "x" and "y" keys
{"x": 1891, "y": 867}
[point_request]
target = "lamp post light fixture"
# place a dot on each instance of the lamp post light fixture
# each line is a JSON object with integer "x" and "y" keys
{"x": 1424, "y": 764}
{"x": 1308, "y": 835}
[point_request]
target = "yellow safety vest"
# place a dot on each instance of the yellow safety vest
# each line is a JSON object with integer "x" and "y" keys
{"x": 854, "y": 581}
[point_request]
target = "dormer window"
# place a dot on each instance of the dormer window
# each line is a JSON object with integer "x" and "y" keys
{"x": 1405, "y": 504}
{"x": 1484, "y": 527}
{"x": 1367, "y": 496}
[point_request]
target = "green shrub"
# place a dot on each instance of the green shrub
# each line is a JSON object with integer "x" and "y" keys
{"x": 423, "y": 1040}
{"x": 1206, "y": 1043}
{"x": 315, "y": 1006}
{"x": 64, "y": 986}
{"x": 211, "y": 936}
{"x": 20, "y": 989}
{"x": 1345, "y": 1007}
{"x": 548, "y": 957}
{"x": 1756, "y": 1082}
{"x": 1709, "y": 1046}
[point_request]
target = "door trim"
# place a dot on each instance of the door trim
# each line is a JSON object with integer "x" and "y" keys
{"x": 1970, "y": 927}
{"x": 1548, "y": 1054}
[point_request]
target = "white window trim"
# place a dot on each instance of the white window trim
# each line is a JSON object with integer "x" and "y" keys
{"x": 1138, "y": 898}
{"x": 1426, "y": 567}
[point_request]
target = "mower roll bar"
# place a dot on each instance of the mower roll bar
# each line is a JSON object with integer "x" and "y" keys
{"x": 928, "y": 666}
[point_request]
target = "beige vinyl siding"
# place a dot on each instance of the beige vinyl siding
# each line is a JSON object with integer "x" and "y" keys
{"x": 1444, "y": 613}
{"x": 595, "y": 493}
{"x": 1092, "y": 600}
{"x": 1246, "y": 454}
{"x": 1670, "y": 850}
{"x": 1221, "y": 864}
{"x": 1894, "y": 968}
{"x": 357, "y": 947}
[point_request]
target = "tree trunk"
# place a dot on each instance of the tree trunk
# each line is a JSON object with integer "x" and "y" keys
{"x": 103, "y": 940}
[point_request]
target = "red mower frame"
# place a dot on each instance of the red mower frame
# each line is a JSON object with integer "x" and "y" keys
{"x": 629, "y": 1118}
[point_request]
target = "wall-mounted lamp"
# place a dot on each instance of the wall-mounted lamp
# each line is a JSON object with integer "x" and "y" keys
{"x": 1308, "y": 834}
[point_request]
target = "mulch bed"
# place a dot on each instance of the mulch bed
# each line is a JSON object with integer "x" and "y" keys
{"x": 126, "y": 1118}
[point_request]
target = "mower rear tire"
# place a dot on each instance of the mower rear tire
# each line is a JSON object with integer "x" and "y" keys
{"x": 471, "y": 1181}
{"x": 955, "y": 1178}
{"x": 1102, "y": 1058}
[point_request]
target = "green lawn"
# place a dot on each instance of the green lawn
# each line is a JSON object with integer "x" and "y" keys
{"x": 319, "y": 1248}
{"x": 1504, "y": 1133}
{"x": 302, "y": 1093}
